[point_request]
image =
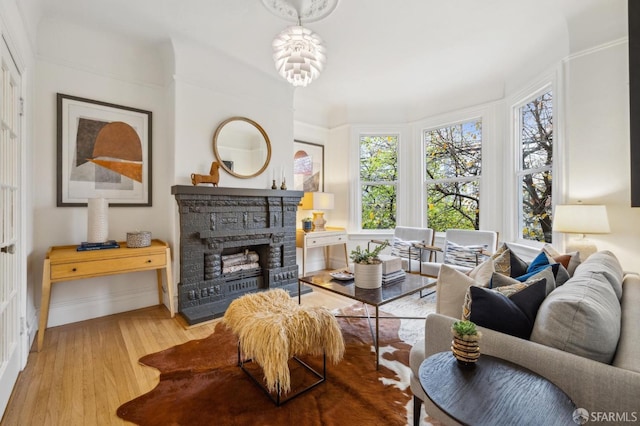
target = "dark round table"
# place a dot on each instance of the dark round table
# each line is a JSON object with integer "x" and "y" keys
{"x": 493, "y": 392}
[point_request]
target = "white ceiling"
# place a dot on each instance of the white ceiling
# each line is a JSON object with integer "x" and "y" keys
{"x": 378, "y": 51}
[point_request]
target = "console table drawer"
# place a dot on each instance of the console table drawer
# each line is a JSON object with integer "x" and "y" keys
{"x": 326, "y": 240}
{"x": 68, "y": 271}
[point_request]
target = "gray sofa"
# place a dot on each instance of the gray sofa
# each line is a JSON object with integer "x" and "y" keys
{"x": 585, "y": 339}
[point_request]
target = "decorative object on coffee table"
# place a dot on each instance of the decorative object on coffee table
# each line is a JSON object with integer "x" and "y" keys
{"x": 465, "y": 345}
{"x": 367, "y": 267}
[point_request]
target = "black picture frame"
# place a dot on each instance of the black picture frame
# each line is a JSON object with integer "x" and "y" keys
{"x": 103, "y": 150}
{"x": 308, "y": 172}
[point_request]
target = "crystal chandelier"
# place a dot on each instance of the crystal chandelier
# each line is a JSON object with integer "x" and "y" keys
{"x": 299, "y": 55}
{"x": 298, "y": 52}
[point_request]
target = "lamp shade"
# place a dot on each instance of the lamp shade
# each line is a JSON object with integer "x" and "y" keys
{"x": 299, "y": 55}
{"x": 581, "y": 219}
{"x": 317, "y": 201}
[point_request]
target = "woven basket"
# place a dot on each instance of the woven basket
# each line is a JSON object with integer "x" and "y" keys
{"x": 138, "y": 239}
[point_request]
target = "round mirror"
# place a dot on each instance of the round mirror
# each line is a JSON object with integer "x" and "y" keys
{"x": 242, "y": 147}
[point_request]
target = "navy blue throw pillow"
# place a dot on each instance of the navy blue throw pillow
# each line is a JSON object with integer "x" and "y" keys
{"x": 512, "y": 315}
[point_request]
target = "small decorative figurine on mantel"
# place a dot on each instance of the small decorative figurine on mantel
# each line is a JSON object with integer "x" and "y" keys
{"x": 213, "y": 177}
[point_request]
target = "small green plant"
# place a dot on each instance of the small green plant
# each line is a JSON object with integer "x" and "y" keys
{"x": 464, "y": 328}
{"x": 307, "y": 219}
{"x": 368, "y": 257}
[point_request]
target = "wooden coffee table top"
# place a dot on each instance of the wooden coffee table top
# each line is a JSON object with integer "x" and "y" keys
{"x": 493, "y": 391}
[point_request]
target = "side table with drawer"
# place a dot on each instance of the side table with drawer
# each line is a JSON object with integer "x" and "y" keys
{"x": 323, "y": 239}
{"x": 65, "y": 263}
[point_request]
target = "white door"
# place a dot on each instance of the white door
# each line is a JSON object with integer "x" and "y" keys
{"x": 11, "y": 289}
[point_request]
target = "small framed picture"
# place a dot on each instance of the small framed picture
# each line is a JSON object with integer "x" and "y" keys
{"x": 308, "y": 166}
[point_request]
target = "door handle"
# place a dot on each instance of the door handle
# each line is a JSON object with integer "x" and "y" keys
{"x": 8, "y": 249}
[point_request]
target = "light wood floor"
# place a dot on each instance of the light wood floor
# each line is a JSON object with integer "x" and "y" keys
{"x": 86, "y": 370}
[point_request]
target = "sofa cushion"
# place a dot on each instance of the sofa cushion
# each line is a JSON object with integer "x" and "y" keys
{"x": 451, "y": 288}
{"x": 628, "y": 350}
{"x": 505, "y": 262}
{"x": 569, "y": 260}
{"x": 547, "y": 273}
{"x": 607, "y": 264}
{"x": 581, "y": 317}
{"x": 508, "y": 309}
{"x": 483, "y": 273}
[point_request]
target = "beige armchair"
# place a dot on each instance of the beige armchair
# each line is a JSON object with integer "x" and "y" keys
{"x": 463, "y": 249}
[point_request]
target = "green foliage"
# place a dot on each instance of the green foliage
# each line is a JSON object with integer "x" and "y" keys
{"x": 368, "y": 257}
{"x": 379, "y": 174}
{"x": 453, "y": 163}
{"x": 464, "y": 328}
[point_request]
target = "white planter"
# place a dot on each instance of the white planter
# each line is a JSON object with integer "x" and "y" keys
{"x": 368, "y": 276}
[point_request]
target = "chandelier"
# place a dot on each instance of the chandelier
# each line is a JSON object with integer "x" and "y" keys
{"x": 299, "y": 55}
{"x": 298, "y": 52}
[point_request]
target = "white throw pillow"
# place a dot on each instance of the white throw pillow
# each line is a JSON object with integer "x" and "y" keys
{"x": 451, "y": 288}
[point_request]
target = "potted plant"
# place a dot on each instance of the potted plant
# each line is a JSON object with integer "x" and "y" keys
{"x": 465, "y": 345}
{"x": 307, "y": 224}
{"x": 367, "y": 268}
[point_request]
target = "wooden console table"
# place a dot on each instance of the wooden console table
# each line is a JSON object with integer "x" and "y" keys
{"x": 65, "y": 263}
{"x": 324, "y": 239}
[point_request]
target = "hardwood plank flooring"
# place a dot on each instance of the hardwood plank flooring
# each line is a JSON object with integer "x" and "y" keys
{"x": 86, "y": 370}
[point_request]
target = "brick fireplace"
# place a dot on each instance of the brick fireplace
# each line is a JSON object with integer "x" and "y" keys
{"x": 229, "y": 223}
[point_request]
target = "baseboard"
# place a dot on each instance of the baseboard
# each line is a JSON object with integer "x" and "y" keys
{"x": 95, "y": 307}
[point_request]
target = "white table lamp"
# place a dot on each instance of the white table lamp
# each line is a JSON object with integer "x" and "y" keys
{"x": 581, "y": 219}
{"x": 318, "y": 201}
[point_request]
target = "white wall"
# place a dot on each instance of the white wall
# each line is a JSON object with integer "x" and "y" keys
{"x": 87, "y": 63}
{"x": 597, "y": 139}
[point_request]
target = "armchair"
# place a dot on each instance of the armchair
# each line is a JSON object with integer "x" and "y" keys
{"x": 463, "y": 250}
{"x": 408, "y": 243}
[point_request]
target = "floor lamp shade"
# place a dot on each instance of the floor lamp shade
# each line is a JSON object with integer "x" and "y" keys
{"x": 98, "y": 220}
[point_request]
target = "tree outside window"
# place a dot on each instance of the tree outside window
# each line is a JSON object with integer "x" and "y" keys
{"x": 453, "y": 162}
{"x": 535, "y": 168}
{"x": 378, "y": 181}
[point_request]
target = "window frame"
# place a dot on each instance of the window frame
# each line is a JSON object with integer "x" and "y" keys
{"x": 394, "y": 184}
{"x": 355, "y": 198}
{"x": 550, "y": 81}
{"x": 423, "y": 165}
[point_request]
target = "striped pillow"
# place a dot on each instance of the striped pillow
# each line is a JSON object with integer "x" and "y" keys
{"x": 400, "y": 248}
{"x": 456, "y": 254}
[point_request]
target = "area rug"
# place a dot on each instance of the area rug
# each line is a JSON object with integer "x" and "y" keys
{"x": 201, "y": 384}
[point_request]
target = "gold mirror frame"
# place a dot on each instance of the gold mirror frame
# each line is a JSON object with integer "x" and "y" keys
{"x": 219, "y": 157}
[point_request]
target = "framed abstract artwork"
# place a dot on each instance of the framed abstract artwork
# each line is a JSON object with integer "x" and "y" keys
{"x": 104, "y": 151}
{"x": 308, "y": 166}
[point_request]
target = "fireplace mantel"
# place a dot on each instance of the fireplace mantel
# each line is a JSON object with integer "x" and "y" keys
{"x": 217, "y": 221}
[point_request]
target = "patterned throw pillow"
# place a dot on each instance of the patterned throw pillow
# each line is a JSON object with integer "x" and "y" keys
{"x": 402, "y": 248}
{"x": 570, "y": 261}
{"x": 508, "y": 309}
{"x": 469, "y": 256}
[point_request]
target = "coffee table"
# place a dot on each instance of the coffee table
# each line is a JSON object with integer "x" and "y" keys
{"x": 413, "y": 283}
{"x": 494, "y": 391}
